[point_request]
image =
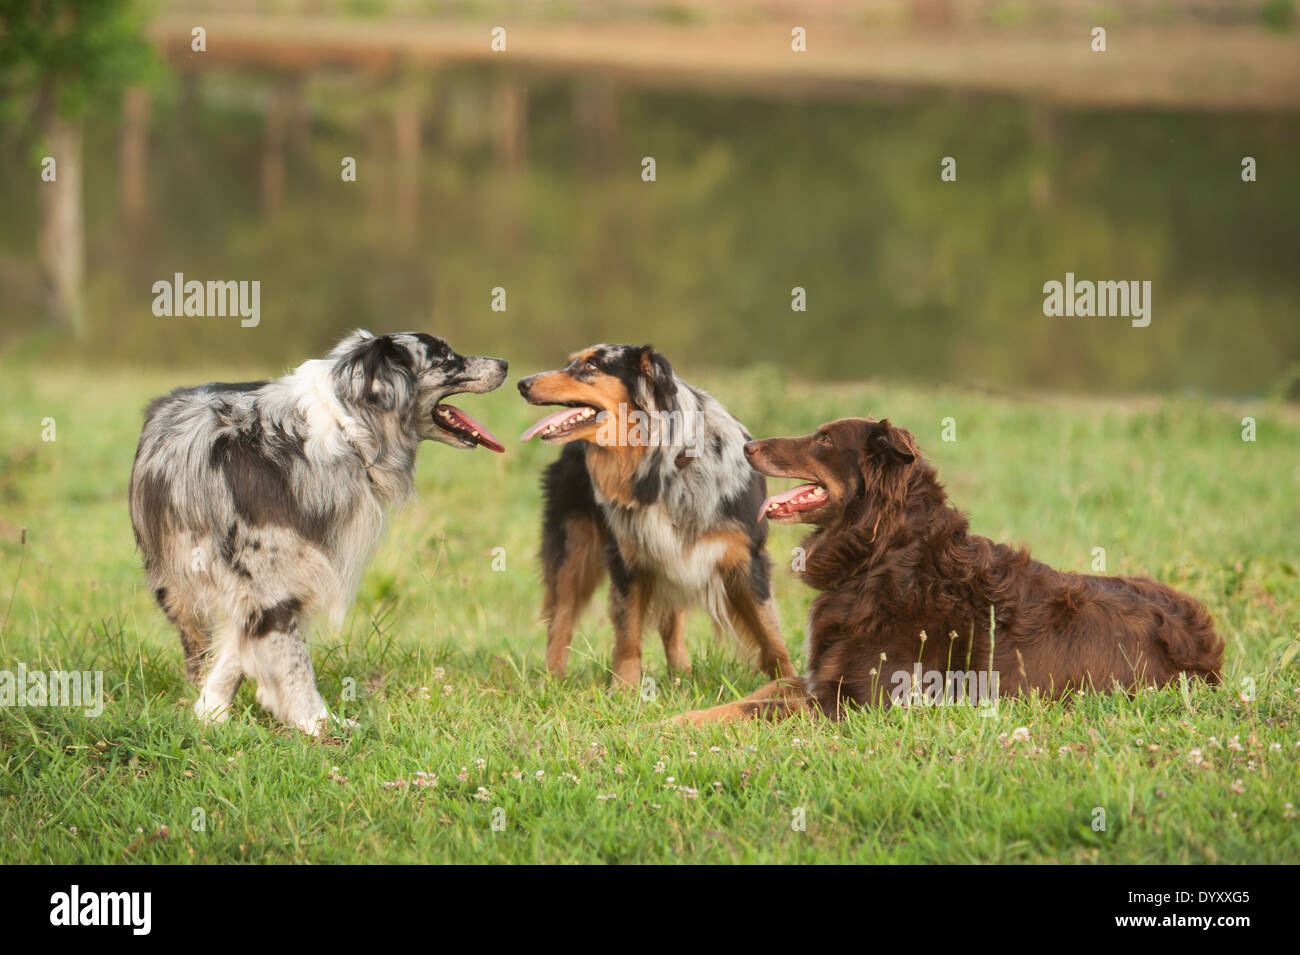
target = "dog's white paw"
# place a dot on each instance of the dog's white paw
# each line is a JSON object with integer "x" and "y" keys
{"x": 210, "y": 711}
{"x": 314, "y": 725}
{"x": 325, "y": 723}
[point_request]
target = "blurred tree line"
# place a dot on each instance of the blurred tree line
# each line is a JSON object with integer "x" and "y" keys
{"x": 61, "y": 60}
{"x": 906, "y": 276}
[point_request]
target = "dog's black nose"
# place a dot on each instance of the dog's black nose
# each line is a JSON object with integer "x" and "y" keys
{"x": 751, "y": 449}
{"x": 524, "y": 385}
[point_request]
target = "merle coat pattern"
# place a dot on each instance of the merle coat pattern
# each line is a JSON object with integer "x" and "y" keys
{"x": 258, "y": 504}
{"x": 670, "y": 515}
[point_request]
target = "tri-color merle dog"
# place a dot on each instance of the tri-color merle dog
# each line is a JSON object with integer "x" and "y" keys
{"x": 257, "y": 504}
{"x": 653, "y": 487}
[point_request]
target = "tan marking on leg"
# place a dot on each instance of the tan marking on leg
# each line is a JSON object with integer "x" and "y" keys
{"x": 673, "y": 631}
{"x": 759, "y": 623}
{"x": 195, "y": 637}
{"x": 569, "y": 588}
{"x": 735, "y": 558}
{"x": 777, "y": 700}
{"x": 628, "y": 613}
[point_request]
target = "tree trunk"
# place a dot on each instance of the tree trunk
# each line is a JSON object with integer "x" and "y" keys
{"x": 134, "y": 166}
{"x": 595, "y": 116}
{"x": 273, "y": 148}
{"x": 511, "y": 134}
{"x": 406, "y": 136}
{"x": 60, "y": 237}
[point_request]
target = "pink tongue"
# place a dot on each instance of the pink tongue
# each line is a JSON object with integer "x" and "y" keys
{"x": 549, "y": 420}
{"x": 785, "y": 497}
{"x": 485, "y": 437}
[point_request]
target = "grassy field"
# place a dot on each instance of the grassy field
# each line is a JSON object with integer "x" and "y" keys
{"x": 444, "y": 653}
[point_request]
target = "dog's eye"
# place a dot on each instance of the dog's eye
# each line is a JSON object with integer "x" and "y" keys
{"x": 589, "y": 366}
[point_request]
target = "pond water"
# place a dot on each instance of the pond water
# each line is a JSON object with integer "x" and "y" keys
{"x": 904, "y": 275}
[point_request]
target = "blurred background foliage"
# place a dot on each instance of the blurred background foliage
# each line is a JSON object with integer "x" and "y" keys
{"x": 531, "y": 181}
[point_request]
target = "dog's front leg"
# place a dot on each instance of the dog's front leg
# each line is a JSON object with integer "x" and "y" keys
{"x": 627, "y": 600}
{"x": 286, "y": 682}
{"x": 778, "y": 700}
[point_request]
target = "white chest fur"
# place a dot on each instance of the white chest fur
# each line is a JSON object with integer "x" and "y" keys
{"x": 651, "y": 541}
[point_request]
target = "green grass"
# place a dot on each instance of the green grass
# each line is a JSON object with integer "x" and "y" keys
{"x": 1167, "y": 488}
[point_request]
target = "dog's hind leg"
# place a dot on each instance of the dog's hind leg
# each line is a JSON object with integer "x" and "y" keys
{"x": 673, "y": 631}
{"x": 225, "y": 671}
{"x": 195, "y": 638}
{"x": 569, "y": 586}
{"x": 757, "y": 621}
{"x": 276, "y": 656}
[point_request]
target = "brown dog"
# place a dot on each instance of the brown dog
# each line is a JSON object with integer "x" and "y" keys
{"x": 906, "y": 589}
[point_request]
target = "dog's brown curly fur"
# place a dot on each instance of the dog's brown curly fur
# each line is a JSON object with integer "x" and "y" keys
{"x": 893, "y": 560}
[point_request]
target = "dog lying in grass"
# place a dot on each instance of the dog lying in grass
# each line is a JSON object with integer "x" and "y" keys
{"x": 906, "y": 588}
{"x": 257, "y": 504}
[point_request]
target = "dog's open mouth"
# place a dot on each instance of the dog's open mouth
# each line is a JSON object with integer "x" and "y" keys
{"x": 791, "y": 504}
{"x": 564, "y": 422}
{"x": 469, "y": 432}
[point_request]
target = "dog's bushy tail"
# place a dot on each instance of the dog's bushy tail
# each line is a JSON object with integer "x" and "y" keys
{"x": 1190, "y": 640}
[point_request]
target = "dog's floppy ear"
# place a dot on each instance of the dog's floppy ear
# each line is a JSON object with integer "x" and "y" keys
{"x": 886, "y": 452}
{"x": 894, "y": 445}
{"x": 656, "y": 386}
{"x": 886, "y": 462}
{"x": 350, "y": 342}
{"x": 373, "y": 372}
